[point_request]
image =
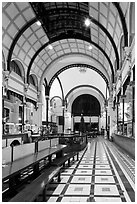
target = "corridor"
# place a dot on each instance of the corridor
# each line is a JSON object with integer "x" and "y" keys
{"x": 68, "y": 73}
{"x": 103, "y": 174}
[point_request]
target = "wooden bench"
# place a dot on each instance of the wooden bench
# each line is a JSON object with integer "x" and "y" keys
{"x": 38, "y": 186}
{"x": 61, "y": 161}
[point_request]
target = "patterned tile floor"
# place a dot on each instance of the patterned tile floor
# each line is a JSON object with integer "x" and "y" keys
{"x": 102, "y": 174}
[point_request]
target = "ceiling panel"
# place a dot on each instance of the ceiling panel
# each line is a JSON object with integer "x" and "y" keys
{"x": 17, "y": 14}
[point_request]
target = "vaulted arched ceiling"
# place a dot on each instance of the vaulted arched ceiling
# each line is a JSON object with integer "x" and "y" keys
{"x": 62, "y": 25}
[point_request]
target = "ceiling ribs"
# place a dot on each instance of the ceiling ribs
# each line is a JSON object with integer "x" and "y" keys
{"x": 123, "y": 22}
{"x": 45, "y": 45}
{"x": 78, "y": 65}
{"x": 34, "y": 20}
{"x": 85, "y": 86}
{"x": 22, "y": 30}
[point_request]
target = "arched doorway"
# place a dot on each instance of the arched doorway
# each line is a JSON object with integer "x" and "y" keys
{"x": 88, "y": 107}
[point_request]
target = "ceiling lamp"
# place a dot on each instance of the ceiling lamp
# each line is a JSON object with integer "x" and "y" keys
{"x": 90, "y": 47}
{"x": 87, "y": 22}
{"x": 82, "y": 69}
{"x": 38, "y": 23}
{"x": 50, "y": 47}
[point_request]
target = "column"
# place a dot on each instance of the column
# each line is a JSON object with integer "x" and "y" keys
{"x": 117, "y": 104}
{"x": 132, "y": 84}
{"x": 26, "y": 86}
{"x": 47, "y": 108}
{"x": 63, "y": 109}
{"x": 72, "y": 123}
{"x": 123, "y": 101}
{"x": 39, "y": 109}
{"x": 5, "y": 79}
{"x": 99, "y": 124}
{"x": 112, "y": 119}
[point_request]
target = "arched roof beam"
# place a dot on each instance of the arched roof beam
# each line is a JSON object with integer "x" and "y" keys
{"x": 61, "y": 88}
{"x": 93, "y": 20}
{"x": 85, "y": 86}
{"x": 21, "y": 31}
{"x": 45, "y": 14}
{"x": 91, "y": 42}
{"x": 55, "y": 97}
{"x": 84, "y": 90}
{"x": 123, "y": 22}
{"x": 78, "y": 65}
{"x": 24, "y": 28}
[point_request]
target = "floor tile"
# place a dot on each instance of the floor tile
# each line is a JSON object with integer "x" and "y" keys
{"x": 86, "y": 162}
{"x": 52, "y": 199}
{"x": 103, "y": 172}
{"x": 87, "y": 159}
{"x": 78, "y": 189}
{"x": 107, "y": 199}
{"x": 65, "y": 199}
{"x": 83, "y": 199}
{"x": 104, "y": 179}
{"x": 59, "y": 189}
{"x": 83, "y": 172}
{"x": 74, "y": 199}
{"x": 105, "y": 190}
{"x": 102, "y": 162}
{"x": 67, "y": 172}
{"x": 85, "y": 166}
{"x": 70, "y": 199}
{"x": 102, "y": 166}
{"x": 81, "y": 179}
{"x": 64, "y": 179}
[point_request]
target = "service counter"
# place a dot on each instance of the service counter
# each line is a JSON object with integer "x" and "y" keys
{"x": 126, "y": 143}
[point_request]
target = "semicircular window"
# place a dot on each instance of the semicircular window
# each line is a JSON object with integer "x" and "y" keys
{"x": 87, "y": 105}
{"x": 15, "y": 68}
{"x": 31, "y": 80}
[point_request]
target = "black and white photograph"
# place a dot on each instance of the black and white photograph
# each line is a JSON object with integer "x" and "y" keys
{"x": 68, "y": 101}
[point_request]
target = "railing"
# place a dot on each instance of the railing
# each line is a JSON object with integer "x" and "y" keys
{"x": 12, "y": 153}
{"x": 74, "y": 142}
{"x": 9, "y": 138}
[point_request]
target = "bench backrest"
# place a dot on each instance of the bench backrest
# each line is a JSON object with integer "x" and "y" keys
{"x": 54, "y": 142}
{"x": 6, "y": 155}
{"x": 43, "y": 145}
{"x": 23, "y": 150}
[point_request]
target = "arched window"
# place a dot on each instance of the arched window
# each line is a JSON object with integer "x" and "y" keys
{"x": 31, "y": 80}
{"x": 15, "y": 68}
{"x": 132, "y": 22}
{"x": 121, "y": 51}
{"x": 3, "y": 62}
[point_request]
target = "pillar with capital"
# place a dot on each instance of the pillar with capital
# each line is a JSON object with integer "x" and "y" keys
{"x": 6, "y": 75}
{"x": 24, "y": 108}
{"x": 72, "y": 123}
{"x": 112, "y": 118}
{"x": 47, "y": 89}
{"x": 47, "y": 108}
{"x": 39, "y": 109}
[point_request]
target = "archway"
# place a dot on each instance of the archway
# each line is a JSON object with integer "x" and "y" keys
{"x": 88, "y": 107}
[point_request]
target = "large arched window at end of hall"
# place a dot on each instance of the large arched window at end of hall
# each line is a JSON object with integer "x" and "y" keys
{"x": 132, "y": 22}
{"x": 15, "y": 68}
